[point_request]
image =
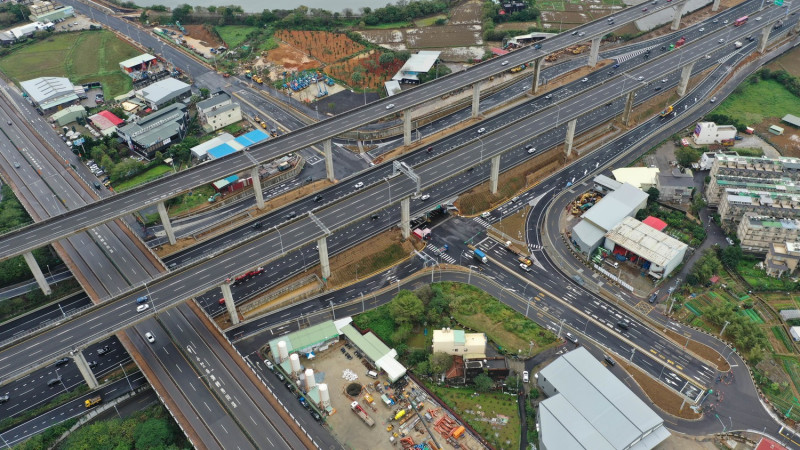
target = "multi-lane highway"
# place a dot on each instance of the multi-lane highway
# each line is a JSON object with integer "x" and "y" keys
{"x": 20, "y": 241}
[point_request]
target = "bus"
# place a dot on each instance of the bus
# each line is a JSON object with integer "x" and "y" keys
{"x": 740, "y": 21}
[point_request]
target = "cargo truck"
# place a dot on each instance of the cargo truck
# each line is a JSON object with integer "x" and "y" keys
{"x": 479, "y": 255}
{"x": 361, "y": 413}
{"x": 680, "y": 41}
{"x": 667, "y": 111}
{"x": 93, "y": 401}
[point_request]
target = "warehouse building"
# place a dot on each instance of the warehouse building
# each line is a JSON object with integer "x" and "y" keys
{"x": 588, "y": 408}
{"x": 218, "y": 111}
{"x": 639, "y": 177}
{"x": 139, "y": 63}
{"x": 756, "y": 232}
{"x": 589, "y": 233}
{"x": 49, "y": 94}
{"x": 374, "y": 350}
{"x": 710, "y": 133}
{"x": 49, "y": 12}
{"x": 654, "y": 251}
{"x": 68, "y": 115}
{"x": 162, "y": 92}
{"x": 105, "y": 122}
{"x": 156, "y": 131}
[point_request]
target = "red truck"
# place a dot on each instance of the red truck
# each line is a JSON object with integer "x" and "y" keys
{"x": 680, "y": 41}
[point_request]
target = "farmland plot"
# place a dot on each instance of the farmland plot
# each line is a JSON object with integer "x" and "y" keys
{"x": 321, "y": 45}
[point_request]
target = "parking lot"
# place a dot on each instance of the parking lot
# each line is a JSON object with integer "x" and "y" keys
{"x": 333, "y": 368}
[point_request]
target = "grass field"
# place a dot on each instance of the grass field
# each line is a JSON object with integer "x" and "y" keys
{"x": 478, "y": 410}
{"x": 234, "y": 35}
{"x": 143, "y": 177}
{"x": 428, "y": 21}
{"x": 81, "y": 57}
{"x": 759, "y": 281}
{"x": 759, "y": 101}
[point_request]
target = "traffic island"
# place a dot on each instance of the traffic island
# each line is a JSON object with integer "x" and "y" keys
{"x": 661, "y": 396}
{"x": 701, "y": 350}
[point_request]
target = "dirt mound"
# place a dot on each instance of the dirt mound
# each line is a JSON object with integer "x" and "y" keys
{"x": 290, "y": 58}
{"x": 204, "y": 35}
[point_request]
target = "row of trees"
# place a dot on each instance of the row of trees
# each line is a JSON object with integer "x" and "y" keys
{"x": 13, "y": 13}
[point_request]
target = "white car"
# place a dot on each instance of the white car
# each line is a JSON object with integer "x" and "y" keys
{"x": 581, "y": 33}
{"x": 708, "y": 56}
{"x": 640, "y": 78}
{"x": 504, "y": 63}
{"x": 701, "y": 30}
{"x": 481, "y": 130}
{"x": 525, "y": 377}
{"x": 524, "y": 267}
{"x": 584, "y": 80}
{"x": 143, "y": 307}
{"x": 425, "y": 197}
{"x": 713, "y": 99}
{"x": 390, "y": 106}
{"x": 359, "y": 185}
{"x": 149, "y": 337}
{"x": 721, "y": 41}
{"x": 486, "y": 215}
{"x": 724, "y": 22}
{"x": 663, "y": 80}
{"x": 758, "y": 19}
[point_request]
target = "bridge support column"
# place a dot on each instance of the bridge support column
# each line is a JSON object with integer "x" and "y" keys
{"x": 37, "y": 273}
{"x": 494, "y": 175}
{"x": 476, "y": 100}
{"x": 254, "y": 175}
{"x": 762, "y": 43}
{"x": 715, "y": 6}
{"x": 686, "y": 72}
{"x": 407, "y": 126}
{"x": 229, "y": 305}
{"x": 626, "y": 113}
{"x": 83, "y": 367}
{"x": 162, "y": 212}
{"x": 537, "y": 71}
{"x": 324, "y": 262}
{"x": 405, "y": 217}
{"x": 594, "y": 52}
{"x": 570, "y": 136}
{"x": 326, "y": 147}
{"x": 676, "y": 20}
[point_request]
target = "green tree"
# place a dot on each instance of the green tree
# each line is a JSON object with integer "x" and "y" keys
{"x": 406, "y": 308}
{"x": 653, "y": 194}
{"x": 439, "y": 362}
{"x": 686, "y": 156}
{"x": 483, "y": 383}
{"x": 386, "y": 58}
{"x": 204, "y": 92}
{"x": 357, "y": 77}
{"x": 143, "y": 16}
{"x": 152, "y": 433}
{"x": 731, "y": 255}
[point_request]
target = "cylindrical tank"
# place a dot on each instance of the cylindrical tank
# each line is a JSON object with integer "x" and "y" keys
{"x": 294, "y": 360}
{"x": 324, "y": 395}
{"x": 310, "y": 383}
{"x": 283, "y": 353}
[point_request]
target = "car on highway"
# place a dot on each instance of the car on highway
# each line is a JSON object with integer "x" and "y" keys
{"x": 640, "y": 78}
{"x": 504, "y": 63}
{"x": 9, "y": 122}
{"x": 92, "y": 364}
{"x": 708, "y": 56}
{"x": 548, "y": 96}
{"x": 390, "y": 106}
{"x": 142, "y": 308}
{"x": 525, "y": 377}
{"x": 54, "y": 381}
{"x": 531, "y": 149}
{"x": 584, "y": 80}
{"x": 317, "y": 199}
{"x": 581, "y": 33}
{"x": 663, "y": 80}
{"x": 609, "y": 360}
{"x": 16, "y": 164}
{"x": 430, "y": 149}
{"x": 524, "y": 267}
{"x": 149, "y": 337}
{"x": 142, "y": 299}
{"x": 256, "y": 225}
{"x": 658, "y": 88}
{"x": 644, "y": 9}
{"x": 481, "y": 130}
{"x": 359, "y": 185}
{"x": 716, "y": 20}
{"x": 701, "y": 30}
{"x": 725, "y": 22}
{"x": 291, "y": 215}
{"x": 721, "y": 40}
{"x": 62, "y": 361}
{"x": 486, "y": 215}
{"x": 713, "y": 99}
{"x": 4, "y": 398}
{"x": 425, "y": 197}
{"x": 103, "y": 350}
{"x": 574, "y": 33}
{"x": 758, "y": 19}
{"x": 571, "y": 338}
{"x": 622, "y": 325}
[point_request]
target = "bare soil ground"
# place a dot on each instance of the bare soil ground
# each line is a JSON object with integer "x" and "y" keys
{"x": 290, "y": 59}
{"x": 662, "y": 397}
{"x": 514, "y": 225}
{"x": 788, "y": 144}
{"x": 204, "y": 35}
{"x": 444, "y": 36}
{"x": 466, "y": 13}
{"x": 681, "y": 442}
{"x": 790, "y": 62}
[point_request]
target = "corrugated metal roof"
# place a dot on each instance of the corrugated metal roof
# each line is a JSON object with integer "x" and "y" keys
{"x": 373, "y": 347}
{"x": 221, "y": 151}
{"x": 596, "y": 411}
{"x": 645, "y": 241}
{"x": 136, "y": 60}
{"x": 791, "y": 119}
{"x": 616, "y": 205}
{"x": 588, "y": 233}
{"x": 253, "y": 137}
{"x": 305, "y": 338}
{"x": 44, "y": 89}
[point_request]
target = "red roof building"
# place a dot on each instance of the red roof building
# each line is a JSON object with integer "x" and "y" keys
{"x": 769, "y": 444}
{"x": 655, "y": 222}
{"x": 499, "y": 51}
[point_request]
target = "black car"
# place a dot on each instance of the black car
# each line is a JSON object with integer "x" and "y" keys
{"x": 62, "y": 361}
{"x": 316, "y": 416}
{"x": 291, "y": 215}
{"x": 289, "y": 386}
{"x": 92, "y": 364}
{"x": 374, "y": 217}
{"x": 318, "y": 199}
{"x": 257, "y": 225}
{"x": 280, "y": 376}
{"x": 609, "y": 360}
{"x": 622, "y": 325}
{"x": 103, "y": 351}
{"x": 54, "y": 382}
{"x": 342, "y": 349}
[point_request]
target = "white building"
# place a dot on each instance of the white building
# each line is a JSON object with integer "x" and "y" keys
{"x": 710, "y": 133}
{"x": 457, "y": 342}
{"x": 218, "y": 111}
{"x": 640, "y": 177}
{"x": 589, "y": 408}
{"x": 49, "y": 94}
{"x": 163, "y": 92}
{"x": 422, "y": 62}
{"x": 663, "y": 252}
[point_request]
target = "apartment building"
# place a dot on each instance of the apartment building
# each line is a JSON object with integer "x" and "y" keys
{"x": 756, "y": 233}
{"x": 782, "y": 258}
{"x": 736, "y": 202}
{"x": 744, "y": 172}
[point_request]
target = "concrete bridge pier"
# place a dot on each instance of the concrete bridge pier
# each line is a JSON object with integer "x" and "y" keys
{"x": 594, "y": 52}
{"x": 324, "y": 262}
{"x": 327, "y": 148}
{"x": 254, "y": 175}
{"x": 83, "y": 367}
{"x": 37, "y": 273}
{"x": 162, "y": 212}
{"x": 494, "y": 176}
{"x": 686, "y": 73}
{"x": 762, "y": 43}
{"x": 407, "y": 126}
{"x": 537, "y": 71}
{"x": 476, "y": 100}
{"x": 405, "y": 217}
{"x": 570, "y": 136}
{"x": 229, "y": 305}
{"x": 676, "y": 20}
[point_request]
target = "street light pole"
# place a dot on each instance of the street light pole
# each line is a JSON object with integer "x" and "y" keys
{"x": 126, "y": 376}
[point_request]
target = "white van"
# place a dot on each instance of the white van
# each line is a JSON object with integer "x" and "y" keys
{"x": 372, "y": 374}
{"x": 611, "y": 263}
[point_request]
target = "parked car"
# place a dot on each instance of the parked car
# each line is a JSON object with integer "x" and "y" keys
{"x": 525, "y": 377}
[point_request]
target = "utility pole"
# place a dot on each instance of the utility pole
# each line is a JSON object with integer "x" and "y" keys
{"x": 723, "y": 327}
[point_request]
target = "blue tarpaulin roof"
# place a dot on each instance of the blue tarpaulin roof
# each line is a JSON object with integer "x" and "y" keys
{"x": 252, "y": 137}
{"x": 220, "y": 151}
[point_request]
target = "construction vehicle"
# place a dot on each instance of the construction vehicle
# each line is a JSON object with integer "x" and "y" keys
{"x": 257, "y": 79}
{"x": 247, "y": 74}
{"x": 362, "y": 414}
{"x": 667, "y": 111}
{"x": 93, "y": 401}
{"x": 728, "y": 142}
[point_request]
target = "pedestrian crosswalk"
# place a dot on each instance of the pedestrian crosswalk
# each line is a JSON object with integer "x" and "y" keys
{"x": 447, "y": 258}
{"x": 482, "y": 222}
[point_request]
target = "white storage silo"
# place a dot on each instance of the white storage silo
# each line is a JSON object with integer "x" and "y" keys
{"x": 283, "y": 353}
{"x": 310, "y": 382}
{"x": 294, "y": 360}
